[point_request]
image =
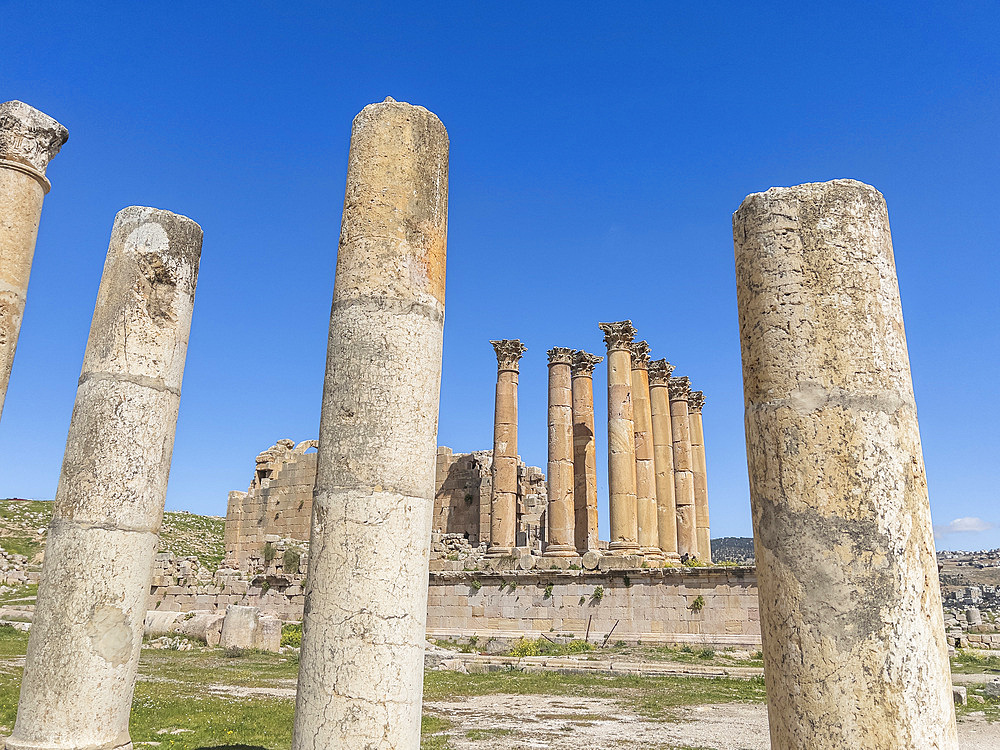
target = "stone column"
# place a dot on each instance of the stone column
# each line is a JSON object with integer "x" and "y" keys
{"x": 663, "y": 457}
{"x": 696, "y": 400}
{"x": 850, "y": 607}
{"x": 560, "y": 516}
{"x": 361, "y": 674}
{"x": 680, "y": 428}
{"x": 503, "y": 494}
{"x": 83, "y": 651}
{"x": 621, "y": 439}
{"x": 584, "y": 451}
{"x": 645, "y": 470}
{"x": 28, "y": 141}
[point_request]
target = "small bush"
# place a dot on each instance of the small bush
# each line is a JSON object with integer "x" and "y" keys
{"x": 475, "y": 585}
{"x": 232, "y": 652}
{"x": 291, "y": 560}
{"x": 597, "y": 595}
{"x": 291, "y": 634}
{"x": 269, "y": 553}
{"x": 687, "y": 650}
{"x": 698, "y": 604}
{"x": 548, "y": 592}
{"x": 525, "y": 647}
{"x": 627, "y": 581}
{"x": 706, "y": 653}
{"x": 757, "y": 656}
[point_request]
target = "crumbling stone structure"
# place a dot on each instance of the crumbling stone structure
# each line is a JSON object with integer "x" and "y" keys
{"x": 29, "y": 140}
{"x": 853, "y": 632}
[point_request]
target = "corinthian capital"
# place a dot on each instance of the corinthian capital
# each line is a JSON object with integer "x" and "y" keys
{"x": 679, "y": 388}
{"x": 696, "y": 400}
{"x": 509, "y": 353}
{"x": 618, "y": 335}
{"x": 29, "y": 138}
{"x": 584, "y": 363}
{"x": 640, "y": 355}
{"x": 660, "y": 371}
{"x": 560, "y": 355}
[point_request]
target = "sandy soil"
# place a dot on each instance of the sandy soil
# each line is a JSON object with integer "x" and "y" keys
{"x": 546, "y": 722}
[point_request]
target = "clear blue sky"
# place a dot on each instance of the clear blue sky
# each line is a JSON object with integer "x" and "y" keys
{"x": 597, "y": 154}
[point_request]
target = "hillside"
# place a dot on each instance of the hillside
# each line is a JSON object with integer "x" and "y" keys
{"x": 23, "y": 524}
{"x": 737, "y": 549}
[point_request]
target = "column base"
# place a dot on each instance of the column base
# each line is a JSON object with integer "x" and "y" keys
{"x": 624, "y": 548}
{"x": 499, "y": 551}
{"x": 653, "y": 552}
{"x": 673, "y": 558}
{"x": 12, "y": 744}
{"x": 560, "y": 550}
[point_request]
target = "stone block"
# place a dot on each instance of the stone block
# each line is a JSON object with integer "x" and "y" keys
{"x": 239, "y": 629}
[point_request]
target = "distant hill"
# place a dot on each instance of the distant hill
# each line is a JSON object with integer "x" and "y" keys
{"x": 737, "y": 549}
{"x": 23, "y": 524}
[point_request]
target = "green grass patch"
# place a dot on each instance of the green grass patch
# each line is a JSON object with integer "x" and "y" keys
{"x": 13, "y": 642}
{"x": 545, "y": 647}
{"x": 24, "y": 594}
{"x": 485, "y": 734}
{"x": 970, "y": 662}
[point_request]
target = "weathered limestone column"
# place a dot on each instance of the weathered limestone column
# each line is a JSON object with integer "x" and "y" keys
{"x": 503, "y": 496}
{"x": 680, "y": 429}
{"x": 584, "y": 450}
{"x": 696, "y": 400}
{"x": 621, "y": 439}
{"x": 28, "y": 141}
{"x": 645, "y": 470}
{"x": 663, "y": 457}
{"x": 361, "y": 674}
{"x": 83, "y": 651}
{"x": 854, "y": 641}
{"x": 560, "y": 516}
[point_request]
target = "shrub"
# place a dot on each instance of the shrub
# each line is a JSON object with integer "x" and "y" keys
{"x": 232, "y": 652}
{"x": 475, "y": 585}
{"x": 548, "y": 592}
{"x": 291, "y": 634}
{"x": 269, "y": 553}
{"x": 597, "y": 595}
{"x": 706, "y": 653}
{"x": 698, "y": 604}
{"x": 290, "y": 561}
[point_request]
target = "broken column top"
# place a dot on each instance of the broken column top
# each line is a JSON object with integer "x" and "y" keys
{"x": 374, "y": 109}
{"x": 585, "y": 362}
{"x": 660, "y": 371}
{"x": 560, "y": 355}
{"x": 640, "y": 355}
{"x": 29, "y": 137}
{"x": 509, "y": 353}
{"x": 618, "y": 335}
{"x": 808, "y": 191}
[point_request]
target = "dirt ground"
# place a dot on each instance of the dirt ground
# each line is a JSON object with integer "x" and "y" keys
{"x": 547, "y": 722}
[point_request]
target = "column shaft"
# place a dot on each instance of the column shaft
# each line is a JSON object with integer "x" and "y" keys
{"x": 700, "y": 474}
{"x": 503, "y": 496}
{"x": 687, "y": 524}
{"x": 853, "y": 632}
{"x": 560, "y": 516}
{"x": 28, "y": 141}
{"x": 584, "y": 451}
{"x": 83, "y": 651}
{"x": 645, "y": 469}
{"x": 663, "y": 457}
{"x": 621, "y": 439}
{"x": 361, "y": 669}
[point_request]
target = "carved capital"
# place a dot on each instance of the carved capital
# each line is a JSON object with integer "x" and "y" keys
{"x": 679, "y": 388}
{"x": 509, "y": 353}
{"x": 29, "y": 138}
{"x": 696, "y": 400}
{"x": 584, "y": 363}
{"x": 560, "y": 355}
{"x": 660, "y": 371}
{"x": 640, "y": 355}
{"x": 618, "y": 335}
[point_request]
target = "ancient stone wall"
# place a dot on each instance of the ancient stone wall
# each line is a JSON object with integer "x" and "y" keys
{"x": 278, "y": 504}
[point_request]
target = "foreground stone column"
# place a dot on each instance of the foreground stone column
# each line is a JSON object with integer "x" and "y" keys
{"x": 503, "y": 495}
{"x": 83, "y": 651}
{"x": 645, "y": 471}
{"x": 560, "y": 516}
{"x": 663, "y": 457}
{"x": 699, "y": 471}
{"x": 584, "y": 451}
{"x": 680, "y": 428}
{"x": 28, "y": 141}
{"x": 854, "y": 641}
{"x": 621, "y": 439}
{"x": 361, "y": 673}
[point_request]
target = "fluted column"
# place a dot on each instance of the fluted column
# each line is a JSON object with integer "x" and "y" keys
{"x": 584, "y": 451}
{"x": 850, "y": 608}
{"x": 621, "y": 439}
{"x": 83, "y": 652}
{"x": 29, "y": 139}
{"x": 680, "y": 426}
{"x": 699, "y": 471}
{"x": 645, "y": 471}
{"x": 560, "y": 516}
{"x": 663, "y": 457}
{"x": 503, "y": 498}
{"x": 361, "y": 665}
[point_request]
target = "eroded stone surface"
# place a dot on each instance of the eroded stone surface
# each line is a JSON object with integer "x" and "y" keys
{"x": 366, "y": 598}
{"x": 853, "y": 633}
{"x": 84, "y": 646}
{"x": 561, "y": 514}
